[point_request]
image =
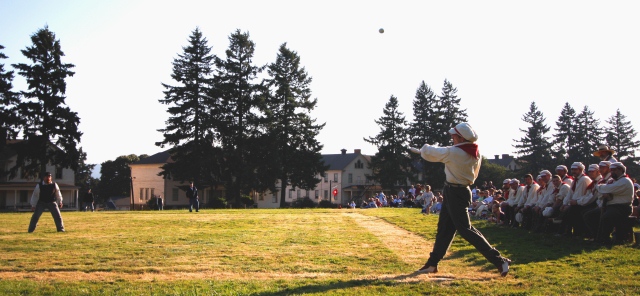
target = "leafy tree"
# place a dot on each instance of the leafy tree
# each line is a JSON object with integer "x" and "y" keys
{"x": 237, "y": 119}
{"x": 9, "y": 119}
{"x": 424, "y": 129}
{"x": 589, "y": 136}
{"x": 566, "y": 142}
{"x": 189, "y": 127}
{"x": 620, "y": 136}
{"x": 390, "y": 165}
{"x": 492, "y": 172}
{"x": 534, "y": 148}
{"x": 115, "y": 177}
{"x": 291, "y": 131}
{"x": 48, "y": 120}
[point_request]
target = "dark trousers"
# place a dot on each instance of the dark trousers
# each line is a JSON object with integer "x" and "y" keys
{"x": 601, "y": 222}
{"x": 454, "y": 217}
{"x": 55, "y": 212}
{"x": 576, "y": 220}
{"x": 193, "y": 202}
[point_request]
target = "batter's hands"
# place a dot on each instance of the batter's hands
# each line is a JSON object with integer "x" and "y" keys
{"x": 414, "y": 150}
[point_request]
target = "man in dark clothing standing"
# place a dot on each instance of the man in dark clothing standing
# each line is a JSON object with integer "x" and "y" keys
{"x": 89, "y": 199}
{"x": 46, "y": 195}
{"x": 461, "y": 167}
{"x": 192, "y": 195}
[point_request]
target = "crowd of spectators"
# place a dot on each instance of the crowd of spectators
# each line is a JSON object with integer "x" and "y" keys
{"x": 598, "y": 202}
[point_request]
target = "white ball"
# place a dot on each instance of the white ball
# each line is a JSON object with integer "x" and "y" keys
{"x": 381, "y": 30}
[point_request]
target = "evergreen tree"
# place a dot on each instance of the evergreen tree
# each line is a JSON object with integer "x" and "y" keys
{"x": 9, "y": 100}
{"x": 620, "y": 136}
{"x": 448, "y": 112}
{"x": 390, "y": 165}
{"x": 589, "y": 136}
{"x": 566, "y": 143}
{"x": 189, "y": 127}
{"x": 48, "y": 120}
{"x": 292, "y": 132}
{"x": 237, "y": 123}
{"x": 534, "y": 148}
{"x": 424, "y": 130}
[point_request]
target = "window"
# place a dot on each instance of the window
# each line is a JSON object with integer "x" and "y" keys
{"x": 146, "y": 193}
{"x": 317, "y": 194}
{"x": 291, "y": 194}
{"x": 326, "y": 194}
{"x": 358, "y": 180}
{"x": 274, "y": 198}
{"x": 299, "y": 193}
{"x": 358, "y": 164}
{"x": 350, "y": 178}
{"x": 335, "y": 177}
{"x": 141, "y": 193}
{"x": 174, "y": 194}
{"x": 326, "y": 177}
{"x": 58, "y": 173}
{"x": 152, "y": 194}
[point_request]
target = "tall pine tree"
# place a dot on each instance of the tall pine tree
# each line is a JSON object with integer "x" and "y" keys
{"x": 566, "y": 139}
{"x": 589, "y": 136}
{"x": 291, "y": 131}
{"x": 390, "y": 165}
{"x": 621, "y": 137}
{"x": 424, "y": 130}
{"x": 189, "y": 127}
{"x": 48, "y": 120}
{"x": 449, "y": 113}
{"x": 9, "y": 100}
{"x": 237, "y": 115}
{"x": 534, "y": 148}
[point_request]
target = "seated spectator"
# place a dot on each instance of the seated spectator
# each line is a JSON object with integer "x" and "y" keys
{"x": 438, "y": 206}
{"x": 427, "y": 199}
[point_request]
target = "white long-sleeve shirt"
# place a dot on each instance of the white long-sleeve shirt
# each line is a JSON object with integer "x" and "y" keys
{"x": 530, "y": 196}
{"x": 515, "y": 199}
{"x": 579, "y": 191}
{"x": 590, "y": 194}
{"x": 621, "y": 189}
{"x": 36, "y": 194}
{"x": 459, "y": 167}
{"x": 544, "y": 195}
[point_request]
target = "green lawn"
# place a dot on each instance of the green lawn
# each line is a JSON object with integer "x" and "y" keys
{"x": 291, "y": 252}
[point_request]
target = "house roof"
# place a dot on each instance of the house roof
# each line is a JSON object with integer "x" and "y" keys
{"x": 339, "y": 161}
{"x": 158, "y": 158}
{"x": 504, "y": 161}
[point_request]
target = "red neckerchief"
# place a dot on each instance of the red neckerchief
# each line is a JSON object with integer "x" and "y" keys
{"x": 471, "y": 149}
{"x": 557, "y": 190}
{"x": 573, "y": 186}
{"x": 542, "y": 188}
{"x": 567, "y": 177}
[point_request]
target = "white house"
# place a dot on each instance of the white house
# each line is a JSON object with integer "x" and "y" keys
{"x": 15, "y": 193}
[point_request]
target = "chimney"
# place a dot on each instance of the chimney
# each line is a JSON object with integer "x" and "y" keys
{"x": 505, "y": 156}
{"x": 357, "y": 151}
{"x": 344, "y": 151}
{"x": 496, "y": 156}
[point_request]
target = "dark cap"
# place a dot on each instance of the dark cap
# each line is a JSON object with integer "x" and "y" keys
{"x": 47, "y": 174}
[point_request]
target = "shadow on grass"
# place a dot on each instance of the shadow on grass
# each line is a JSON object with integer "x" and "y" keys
{"x": 523, "y": 247}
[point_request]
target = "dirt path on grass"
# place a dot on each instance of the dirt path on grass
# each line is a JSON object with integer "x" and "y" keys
{"x": 414, "y": 250}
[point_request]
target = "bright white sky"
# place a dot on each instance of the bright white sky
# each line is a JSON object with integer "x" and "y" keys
{"x": 501, "y": 56}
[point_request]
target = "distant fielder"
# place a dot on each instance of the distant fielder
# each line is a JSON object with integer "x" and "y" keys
{"x": 461, "y": 166}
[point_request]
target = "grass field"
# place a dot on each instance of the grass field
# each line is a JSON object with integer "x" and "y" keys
{"x": 292, "y": 252}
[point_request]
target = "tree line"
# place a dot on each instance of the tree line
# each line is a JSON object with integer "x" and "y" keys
{"x": 577, "y": 135}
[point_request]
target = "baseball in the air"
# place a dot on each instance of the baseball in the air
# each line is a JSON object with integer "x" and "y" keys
{"x": 381, "y": 30}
